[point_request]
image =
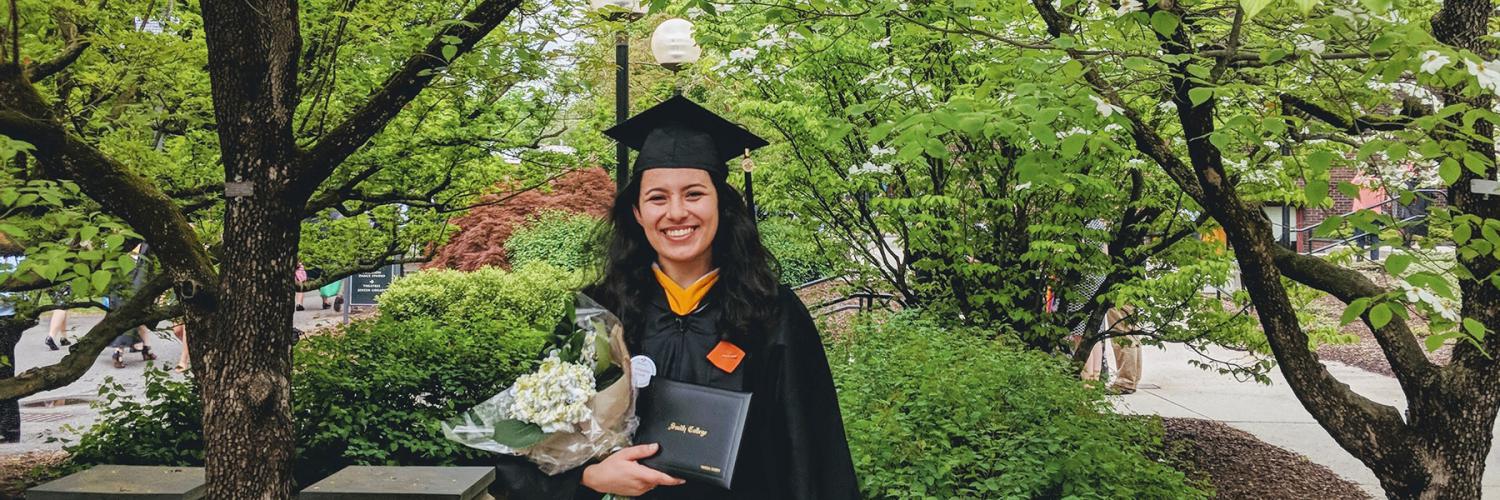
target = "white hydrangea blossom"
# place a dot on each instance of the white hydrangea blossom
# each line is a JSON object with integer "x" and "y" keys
{"x": 554, "y": 397}
{"x": 1487, "y": 72}
{"x": 1104, "y": 108}
{"x": 870, "y": 168}
{"x": 1128, "y": 6}
{"x": 1317, "y": 47}
{"x": 1416, "y": 295}
{"x": 743, "y": 54}
{"x": 877, "y": 151}
{"x": 881, "y": 43}
{"x": 768, "y": 37}
{"x": 1432, "y": 61}
{"x": 1070, "y": 132}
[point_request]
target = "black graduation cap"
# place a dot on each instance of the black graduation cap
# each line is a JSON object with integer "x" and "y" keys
{"x": 678, "y": 133}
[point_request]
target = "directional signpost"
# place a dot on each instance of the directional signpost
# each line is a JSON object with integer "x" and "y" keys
{"x": 364, "y": 289}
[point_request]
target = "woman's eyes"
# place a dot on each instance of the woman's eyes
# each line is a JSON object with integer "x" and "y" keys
{"x": 690, "y": 196}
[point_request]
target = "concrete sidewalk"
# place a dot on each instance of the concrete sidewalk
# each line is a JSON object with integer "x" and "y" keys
{"x": 64, "y": 412}
{"x": 1171, "y": 387}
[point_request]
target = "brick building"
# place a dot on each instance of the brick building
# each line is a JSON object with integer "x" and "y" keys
{"x": 1294, "y": 225}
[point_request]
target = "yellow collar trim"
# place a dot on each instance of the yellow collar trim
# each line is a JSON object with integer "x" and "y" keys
{"x": 684, "y": 300}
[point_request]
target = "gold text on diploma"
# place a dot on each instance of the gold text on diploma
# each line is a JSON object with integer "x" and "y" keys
{"x": 687, "y": 429}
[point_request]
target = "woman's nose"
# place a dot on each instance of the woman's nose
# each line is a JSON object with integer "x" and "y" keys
{"x": 677, "y": 209}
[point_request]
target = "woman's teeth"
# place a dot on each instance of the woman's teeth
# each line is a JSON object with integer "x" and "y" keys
{"x": 678, "y": 233}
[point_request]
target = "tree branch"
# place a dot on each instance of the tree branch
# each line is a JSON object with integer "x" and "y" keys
{"x": 40, "y": 71}
{"x": 398, "y": 90}
{"x": 1359, "y": 125}
{"x": 1360, "y": 425}
{"x": 1395, "y": 338}
{"x": 138, "y": 310}
{"x": 24, "y": 116}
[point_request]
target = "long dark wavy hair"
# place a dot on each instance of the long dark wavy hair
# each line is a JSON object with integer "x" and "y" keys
{"x": 747, "y": 286}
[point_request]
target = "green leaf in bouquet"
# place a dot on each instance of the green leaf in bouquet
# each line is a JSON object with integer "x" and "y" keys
{"x": 574, "y": 349}
{"x": 564, "y": 329}
{"x": 602, "y": 359}
{"x": 517, "y": 434}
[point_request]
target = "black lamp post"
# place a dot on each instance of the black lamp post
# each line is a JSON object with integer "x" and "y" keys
{"x": 628, "y": 11}
{"x": 673, "y": 46}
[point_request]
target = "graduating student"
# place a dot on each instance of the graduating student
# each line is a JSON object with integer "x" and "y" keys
{"x": 687, "y": 275}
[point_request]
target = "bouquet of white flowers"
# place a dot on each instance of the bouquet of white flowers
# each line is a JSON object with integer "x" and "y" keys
{"x": 579, "y": 404}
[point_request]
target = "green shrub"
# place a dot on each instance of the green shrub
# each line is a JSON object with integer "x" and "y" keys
{"x": 375, "y": 392}
{"x": 533, "y": 295}
{"x": 935, "y": 413}
{"x": 164, "y": 429}
{"x": 563, "y": 239}
{"x": 796, "y": 251}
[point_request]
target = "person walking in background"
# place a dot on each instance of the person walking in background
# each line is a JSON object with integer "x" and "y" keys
{"x": 57, "y": 327}
{"x": 179, "y": 330}
{"x": 332, "y": 291}
{"x": 1126, "y": 351}
{"x": 135, "y": 340}
{"x": 1118, "y": 321}
{"x": 300, "y": 275}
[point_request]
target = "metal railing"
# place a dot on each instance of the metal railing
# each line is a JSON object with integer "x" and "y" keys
{"x": 1427, "y": 196}
{"x": 867, "y": 300}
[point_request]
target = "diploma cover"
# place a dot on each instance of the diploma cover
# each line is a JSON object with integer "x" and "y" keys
{"x": 699, "y": 429}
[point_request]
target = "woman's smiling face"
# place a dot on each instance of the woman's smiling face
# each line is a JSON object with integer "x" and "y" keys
{"x": 679, "y": 211}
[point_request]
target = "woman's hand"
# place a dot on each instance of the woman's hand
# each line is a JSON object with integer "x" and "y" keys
{"x": 621, "y": 475}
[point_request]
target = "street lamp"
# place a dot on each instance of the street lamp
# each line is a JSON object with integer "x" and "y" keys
{"x": 621, "y": 10}
{"x": 673, "y": 44}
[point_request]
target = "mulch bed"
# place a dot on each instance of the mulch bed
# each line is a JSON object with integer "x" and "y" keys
{"x": 1365, "y": 353}
{"x": 21, "y": 471}
{"x": 1239, "y": 466}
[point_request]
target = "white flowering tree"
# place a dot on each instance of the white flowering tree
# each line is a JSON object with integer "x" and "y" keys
{"x": 1240, "y": 103}
{"x": 938, "y": 122}
{"x": 957, "y": 188}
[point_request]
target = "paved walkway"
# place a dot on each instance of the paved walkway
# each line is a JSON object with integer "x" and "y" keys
{"x": 49, "y": 416}
{"x": 1171, "y": 387}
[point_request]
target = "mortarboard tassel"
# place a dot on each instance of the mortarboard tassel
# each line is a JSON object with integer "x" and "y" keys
{"x": 748, "y": 165}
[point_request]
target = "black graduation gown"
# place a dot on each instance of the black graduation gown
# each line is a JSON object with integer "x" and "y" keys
{"x": 794, "y": 445}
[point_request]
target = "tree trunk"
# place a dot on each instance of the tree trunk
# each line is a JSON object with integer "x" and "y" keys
{"x": 243, "y": 361}
{"x": 11, "y": 328}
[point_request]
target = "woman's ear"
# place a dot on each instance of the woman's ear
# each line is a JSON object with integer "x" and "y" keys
{"x": 636, "y": 209}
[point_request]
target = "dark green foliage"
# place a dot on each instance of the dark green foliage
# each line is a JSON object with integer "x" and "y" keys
{"x": 797, "y": 252}
{"x": 936, "y": 413}
{"x": 562, "y": 239}
{"x": 373, "y": 393}
{"x": 164, "y": 429}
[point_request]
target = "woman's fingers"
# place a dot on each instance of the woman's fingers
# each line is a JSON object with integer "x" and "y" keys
{"x": 637, "y": 452}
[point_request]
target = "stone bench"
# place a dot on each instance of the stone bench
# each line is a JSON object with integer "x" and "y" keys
{"x": 125, "y": 482}
{"x": 362, "y": 482}
{"x": 135, "y": 482}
